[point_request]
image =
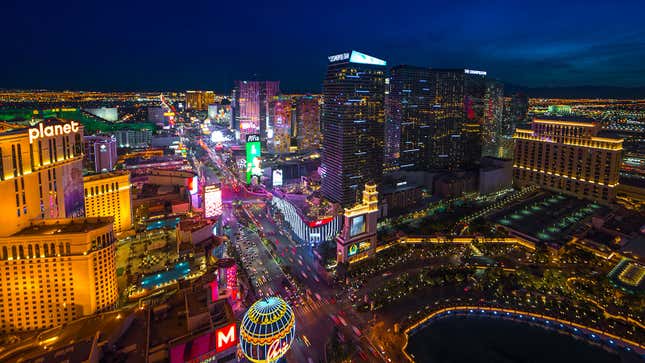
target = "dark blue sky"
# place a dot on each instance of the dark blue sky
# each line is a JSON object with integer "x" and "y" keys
{"x": 140, "y": 44}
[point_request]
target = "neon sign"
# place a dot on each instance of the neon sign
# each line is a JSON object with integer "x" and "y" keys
{"x": 204, "y": 348}
{"x": 471, "y": 71}
{"x": 225, "y": 338}
{"x": 320, "y": 222}
{"x": 277, "y": 349}
{"x": 338, "y": 57}
{"x": 43, "y": 131}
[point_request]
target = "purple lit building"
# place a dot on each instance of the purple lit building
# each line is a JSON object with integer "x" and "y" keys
{"x": 100, "y": 153}
{"x": 251, "y": 106}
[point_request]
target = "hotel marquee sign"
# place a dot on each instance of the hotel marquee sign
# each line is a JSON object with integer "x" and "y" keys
{"x": 338, "y": 57}
{"x": 42, "y": 131}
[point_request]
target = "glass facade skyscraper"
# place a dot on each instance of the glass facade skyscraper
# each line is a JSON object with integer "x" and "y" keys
{"x": 459, "y": 109}
{"x": 353, "y": 118}
{"x": 440, "y": 115}
{"x": 308, "y": 122}
{"x": 410, "y": 112}
{"x": 251, "y": 106}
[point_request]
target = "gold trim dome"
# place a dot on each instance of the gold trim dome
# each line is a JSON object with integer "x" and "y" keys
{"x": 267, "y": 330}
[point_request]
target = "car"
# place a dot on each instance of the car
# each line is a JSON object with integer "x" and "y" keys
{"x": 334, "y": 318}
{"x": 316, "y": 278}
{"x": 342, "y": 321}
{"x": 356, "y": 331}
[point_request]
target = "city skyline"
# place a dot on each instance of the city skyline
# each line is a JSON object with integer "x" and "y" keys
{"x": 531, "y": 45}
{"x": 322, "y": 182}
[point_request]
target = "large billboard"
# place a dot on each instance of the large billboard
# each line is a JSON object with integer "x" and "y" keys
{"x": 73, "y": 190}
{"x": 277, "y": 177}
{"x": 358, "y": 247}
{"x": 357, "y": 225}
{"x": 205, "y": 347}
{"x": 212, "y": 201}
{"x": 253, "y": 157}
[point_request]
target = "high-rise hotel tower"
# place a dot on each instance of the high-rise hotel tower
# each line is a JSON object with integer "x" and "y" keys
{"x": 55, "y": 265}
{"x": 353, "y": 119}
{"x": 568, "y": 157}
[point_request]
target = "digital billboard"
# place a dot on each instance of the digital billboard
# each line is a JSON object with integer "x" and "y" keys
{"x": 253, "y": 157}
{"x": 73, "y": 190}
{"x": 357, "y": 226}
{"x": 358, "y": 247}
{"x": 277, "y": 177}
{"x": 212, "y": 201}
{"x": 193, "y": 185}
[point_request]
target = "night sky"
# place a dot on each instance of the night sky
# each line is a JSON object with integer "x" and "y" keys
{"x": 164, "y": 45}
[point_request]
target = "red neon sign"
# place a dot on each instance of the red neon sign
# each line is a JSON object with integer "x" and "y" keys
{"x": 320, "y": 222}
{"x": 225, "y": 337}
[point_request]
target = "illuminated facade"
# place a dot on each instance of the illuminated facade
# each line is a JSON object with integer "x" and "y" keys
{"x": 199, "y": 100}
{"x": 55, "y": 271}
{"x": 253, "y": 157}
{"x": 567, "y": 157}
{"x": 100, "y": 153}
{"x": 357, "y": 238}
{"x": 41, "y": 174}
{"x": 251, "y": 106}
{"x": 410, "y": 116}
{"x": 107, "y": 195}
{"x": 212, "y": 201}
{"x": 308, "y": 123}
{"x": 353, "y": 118}
{"x": 281, "y": 111}
{"x": 438, "y": 118}
{"x": 267, "y": 330}
{"x": 324, "y": 229}
{"x": 459, "y": 109}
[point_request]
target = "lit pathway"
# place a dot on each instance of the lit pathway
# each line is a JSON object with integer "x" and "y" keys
{"x": 564, "y": 325}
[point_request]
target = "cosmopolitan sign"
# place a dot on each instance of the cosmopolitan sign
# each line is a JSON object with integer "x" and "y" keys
{"x": 43, "y": 131}
{"x": 338, "y": 57}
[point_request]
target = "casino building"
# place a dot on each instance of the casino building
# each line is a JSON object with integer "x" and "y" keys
{"x": 56, "y": 266}
{"x": 56, "y": 270}
{"x": 353, "y": 119}
{"x": 568, "y": 157}
{"x": 40, "y": 176}
{"x": 108, "y": 194}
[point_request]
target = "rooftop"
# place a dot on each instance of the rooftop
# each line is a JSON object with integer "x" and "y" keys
{"x": 99, "y": 176}
{"x": 64, "y": 226}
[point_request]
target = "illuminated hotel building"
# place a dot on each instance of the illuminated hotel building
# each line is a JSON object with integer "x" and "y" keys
{"x": 357, "y": 238}
{"x": 316, "y": 231}
{"x": 56, "y": 270}
{"x": 458, "y": 116}
{"x": 281, "y": 111}
{"x": 353, "y": 118}
{"x": 308, "y": 123}
{"x": 109, "y": 194}
{"x": 41, "y": 173}
{"x": 100, "y": 153}
{"x": 437, "y": 115}
{"x": 567, "y": 157}
{"x": 251, "y": 106}
{"x": 410, "y": 116}
{"x": 199, "y": 100}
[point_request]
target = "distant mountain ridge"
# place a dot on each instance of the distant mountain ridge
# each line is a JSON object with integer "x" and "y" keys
{"x": 578, "y": 92}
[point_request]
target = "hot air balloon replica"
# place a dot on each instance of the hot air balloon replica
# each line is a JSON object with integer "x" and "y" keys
{"x": 267, "y": 330}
